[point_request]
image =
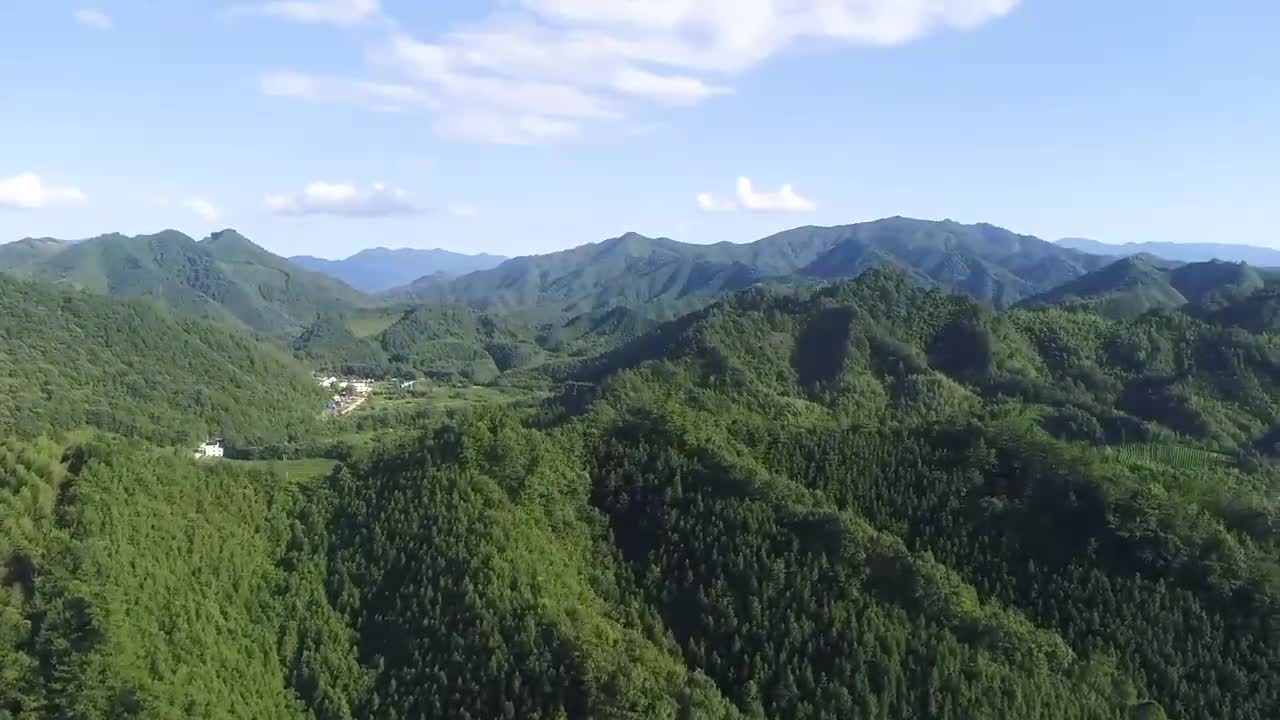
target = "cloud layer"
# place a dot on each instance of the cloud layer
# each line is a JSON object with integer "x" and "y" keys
{"x": 345, "y": 200}
{"x": 786, "y": 199}
{"x": 333, "y": 12}
{"x": 29, "y": 191}
{"x": 542, "y": 70}
{"x": 93, "y": 18}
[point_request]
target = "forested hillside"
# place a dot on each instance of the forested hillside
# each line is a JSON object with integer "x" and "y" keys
{"x": 875, "y": 500}
{"x": 70, "y": 360}
{"x": 454, "y": 343}
{"x": 224, "y": 277}
{"x": 141, "y": 584}
{"x": 880, "y": 501}
{"x": 668, "y": 277}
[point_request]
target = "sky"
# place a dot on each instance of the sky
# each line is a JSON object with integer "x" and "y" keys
{"x": 525, "y": 126}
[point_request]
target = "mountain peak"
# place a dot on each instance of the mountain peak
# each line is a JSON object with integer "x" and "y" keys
{"x": 380, "y": 269}
{"x": 228, "y": 236}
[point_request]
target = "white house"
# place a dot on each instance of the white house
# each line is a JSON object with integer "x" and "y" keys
{"x": 210, "y": 449}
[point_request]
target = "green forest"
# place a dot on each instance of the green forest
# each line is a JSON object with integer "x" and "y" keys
{"x": 71, "y": 360}
{"x": 862, "y": 499}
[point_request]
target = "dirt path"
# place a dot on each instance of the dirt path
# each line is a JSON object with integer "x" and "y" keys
{"x": 353, "y": 405}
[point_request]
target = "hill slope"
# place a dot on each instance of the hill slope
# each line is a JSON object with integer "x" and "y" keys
{"x": 454, "y": 343}
{"x": 931, "y": 417}
{"x": 71, "y": 359}
{"x": 992, "y": 264}
{"x": 379, "y": 269}
{"x": 875, "y": 500}
{"x": 891, "y": 500}
{"x": 144, "y": 584}
{"x": 224, "y": 277}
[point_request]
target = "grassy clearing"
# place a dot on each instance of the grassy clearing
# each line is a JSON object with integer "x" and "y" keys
{"x": 373, "y": 323}
{"x": 301, "y": 469}
{"x": 1174, "y": 456}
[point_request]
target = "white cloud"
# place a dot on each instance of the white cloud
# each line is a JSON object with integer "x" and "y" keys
{"x": 748, "y": 198}
{"x": 205, "y": 209}
{"x": 28, "y": 191}
{"x": 443, "y": 70}
{"x": 785, "y": 199}
{"x": 672, "y": 89}
{"x": 382, "y": 96}
{"x": 332, "y": 12}
{"x": 505, "y": 129}
{"x": 462, "y": 210}
{"x": 93, "y": 18}
{"x": 322, "y": 198}
{"x": 536, "y": 71}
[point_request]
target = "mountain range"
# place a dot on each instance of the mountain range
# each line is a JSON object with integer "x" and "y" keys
{"x": 1182, "y": 252}
{"x": 224, "y": 277}
{"x": 380, "y": 269}
{"x": 808, "y": 499}
{"x": 669, "y": 277}
{"x": 229, "y": 278}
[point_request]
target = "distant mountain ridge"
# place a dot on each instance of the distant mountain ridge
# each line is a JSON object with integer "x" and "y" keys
{"x": 1181, "y": 252}
{"x": 380, "y": 269}
{"x": 28, "y": 250}
{"x": 987, "y": 262}
{"x": 1133, "y": 285}
{"x": 224, "y": 277}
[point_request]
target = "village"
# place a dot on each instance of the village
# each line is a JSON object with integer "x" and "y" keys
{"x": 348, "y": 394}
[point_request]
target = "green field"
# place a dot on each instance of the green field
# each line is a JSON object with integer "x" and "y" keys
{"x": 1174, "y": 456}
{"x": 442, "y": 399}
{"x": 373, "y": 323}
{"x": 301, "y": 469}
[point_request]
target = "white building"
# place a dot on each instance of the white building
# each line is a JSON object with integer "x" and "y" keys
{"x": 210, "y": 449}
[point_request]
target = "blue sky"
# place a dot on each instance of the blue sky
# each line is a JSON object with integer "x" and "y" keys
{"x": 524, "y": 126}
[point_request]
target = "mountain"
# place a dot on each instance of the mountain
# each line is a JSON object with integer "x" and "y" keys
{"x": 379, "y": 269}
{"x": 669, "y": 277}
{"x": 1182, "y": 252}
{"x": 455, "y": 343}
{"x": 224, "y": 277}
{"x": 871, "y": 499}
{"x": 70, "y": 360}
{"x": 1133, "y": 285}
{"x": 20, "y": 254}
{"x": 446, "y": 343}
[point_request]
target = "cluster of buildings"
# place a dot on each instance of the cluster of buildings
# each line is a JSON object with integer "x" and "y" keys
{"x": 212, "y": 448}
{"x": 347, "y": 393}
